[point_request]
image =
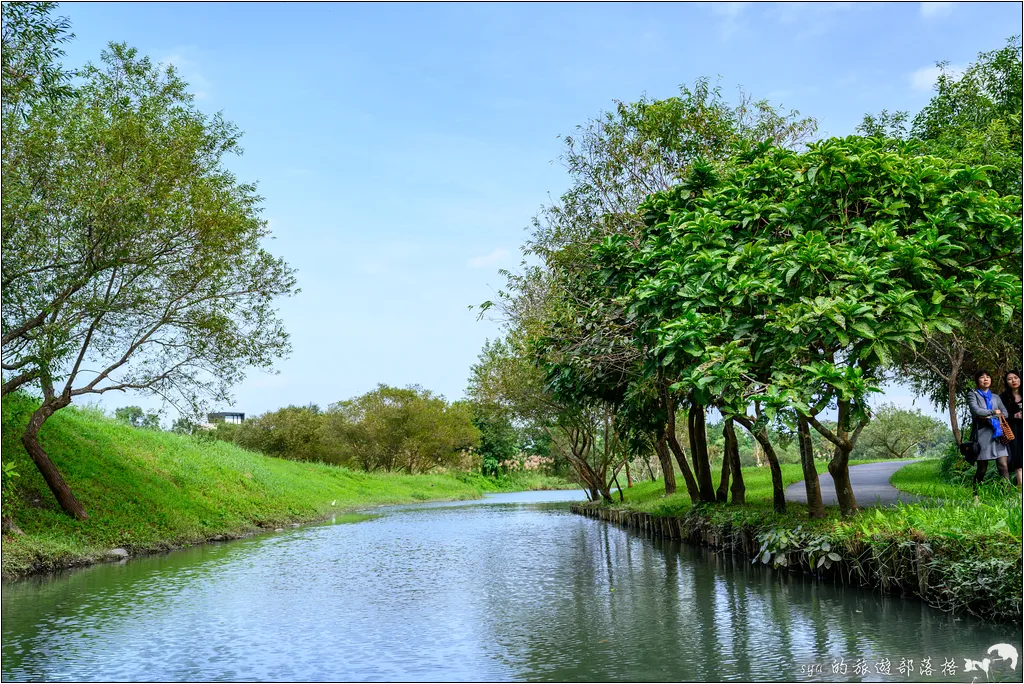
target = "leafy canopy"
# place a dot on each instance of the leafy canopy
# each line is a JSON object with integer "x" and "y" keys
{"x": 133, "y": 259}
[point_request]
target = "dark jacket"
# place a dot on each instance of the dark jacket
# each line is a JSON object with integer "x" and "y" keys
{"x": 1012, "y": 407}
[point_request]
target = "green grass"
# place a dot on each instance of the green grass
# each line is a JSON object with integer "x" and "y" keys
{"x": 959, "y": 555}
{"x": 147, "y": 490}
{"x": 997, "y": 516}
{"x": 925, "y": 478}
{"x": 649, "y": 497}
{"x": 954, "y": 514}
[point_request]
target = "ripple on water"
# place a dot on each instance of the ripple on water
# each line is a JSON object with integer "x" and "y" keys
{"x": 503, "y": 589}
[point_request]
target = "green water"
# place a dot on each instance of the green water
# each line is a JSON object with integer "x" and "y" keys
{"x": 512, "y": 588}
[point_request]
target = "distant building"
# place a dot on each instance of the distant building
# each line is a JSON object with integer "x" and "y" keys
{"x": 225, "y": 417}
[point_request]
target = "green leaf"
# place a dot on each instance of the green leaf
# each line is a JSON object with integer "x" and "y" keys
{"x": 863, "y": 330}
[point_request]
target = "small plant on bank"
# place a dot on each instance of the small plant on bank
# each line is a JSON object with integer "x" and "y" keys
{"x": 819, "y": 553}
{"x": 778, "y": 543}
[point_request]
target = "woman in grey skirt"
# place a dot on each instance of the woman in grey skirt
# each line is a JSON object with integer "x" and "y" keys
{"x": 986, "y": 407}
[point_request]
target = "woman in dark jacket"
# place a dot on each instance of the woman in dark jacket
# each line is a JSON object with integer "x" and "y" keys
{"x": 1012, "y": 400}
{"x": 986, "y": 407}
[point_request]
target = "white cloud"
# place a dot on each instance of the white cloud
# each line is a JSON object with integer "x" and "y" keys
{"x": 730, "y": 12}
{"x": 811, "y": 18}
{"x": 488, "y": 259}
{"x": 924, "y": 78}
{"x": 936, "y": 10}
{"x": 188, "y": 71}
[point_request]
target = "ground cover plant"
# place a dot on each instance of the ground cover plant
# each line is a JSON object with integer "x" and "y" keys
{"x": 953, "y": 553}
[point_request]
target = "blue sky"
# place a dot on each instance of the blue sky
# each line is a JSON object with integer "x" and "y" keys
{"x": 403, "y": 148}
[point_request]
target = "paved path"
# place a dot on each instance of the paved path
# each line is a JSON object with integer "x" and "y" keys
{"x": 870, "y": 485}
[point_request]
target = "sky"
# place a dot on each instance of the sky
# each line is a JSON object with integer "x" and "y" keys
{"x": 402, "y": 149}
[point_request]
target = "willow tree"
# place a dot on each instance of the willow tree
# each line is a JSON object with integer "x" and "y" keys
{"x": 133, "y": 258}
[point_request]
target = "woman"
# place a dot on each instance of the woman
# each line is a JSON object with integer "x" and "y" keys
{"x": 986, "y": 409}
{"x": 1012, "y": 401}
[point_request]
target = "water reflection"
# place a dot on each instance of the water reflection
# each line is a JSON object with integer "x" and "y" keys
{"x": 511, "y": 588}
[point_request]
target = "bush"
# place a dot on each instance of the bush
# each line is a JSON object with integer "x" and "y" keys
{"x": 956, "y": 471}
{"x": 408, "y": 429}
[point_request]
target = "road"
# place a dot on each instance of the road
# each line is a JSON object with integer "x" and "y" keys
{"x": 870, "y": 486}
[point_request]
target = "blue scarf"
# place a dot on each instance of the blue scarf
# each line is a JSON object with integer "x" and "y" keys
{"x": 987, "y": 396}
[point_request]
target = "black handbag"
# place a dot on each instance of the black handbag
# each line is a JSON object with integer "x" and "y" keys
{"x": 970, "y": 449}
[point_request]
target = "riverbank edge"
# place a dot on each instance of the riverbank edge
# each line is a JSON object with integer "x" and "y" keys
{"x": 910, "y": 565}
{"x": 55, "y": 564}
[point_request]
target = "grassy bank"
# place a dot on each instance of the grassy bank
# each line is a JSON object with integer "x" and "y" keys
{"x": 954, "y": 554}
{"x": 149, "y": 491}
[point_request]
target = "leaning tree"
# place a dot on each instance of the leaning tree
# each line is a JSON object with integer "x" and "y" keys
{"x": 133, "y": 259}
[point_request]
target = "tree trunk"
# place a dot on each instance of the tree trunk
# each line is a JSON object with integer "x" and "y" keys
{"x": 615, "y": 479}
{"x": 815, "y": 507}
{"x": 722, "y": 494}
{"x": 629, "y": 478}
{"x": 839, "y": 466}
{"x": 732, "y": 453}
{"x": 673, "y": 444}
{"x": 666, "y": 465}
{"x": 684, "y": 467}
{"x": 650, "y": 468}
{"x": 49, "y": 471}
{"x": 699, "y": 451}
{"x": 778, "y": 491}
{"x": 839, "y": 469}
{"x": 951, "y": 387}
{"x": 677, "y": 450}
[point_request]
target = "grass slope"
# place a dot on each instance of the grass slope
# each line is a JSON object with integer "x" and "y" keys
{"x": 148, "y": 491}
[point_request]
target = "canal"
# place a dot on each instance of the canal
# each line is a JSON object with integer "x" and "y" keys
{"x": 510, "y": 588}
